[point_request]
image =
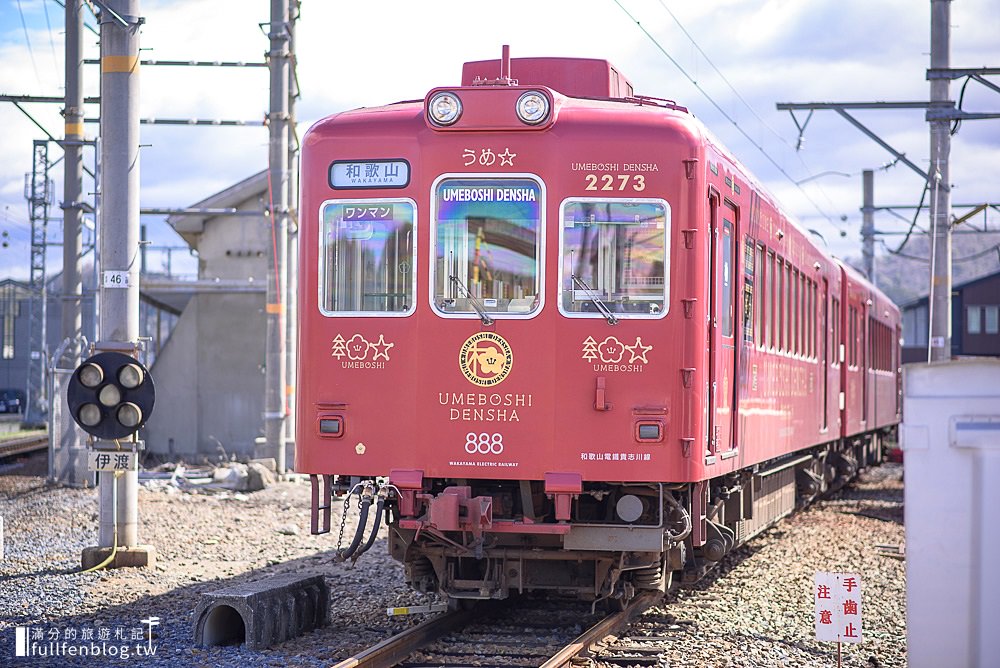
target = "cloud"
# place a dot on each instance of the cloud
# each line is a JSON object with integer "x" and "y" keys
{"x": 368, "y": 54}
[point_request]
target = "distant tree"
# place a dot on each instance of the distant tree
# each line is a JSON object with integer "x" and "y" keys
{"x": 905, "y": 275}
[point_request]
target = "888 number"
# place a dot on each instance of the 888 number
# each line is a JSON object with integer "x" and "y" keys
{"x": 483, "y": 443}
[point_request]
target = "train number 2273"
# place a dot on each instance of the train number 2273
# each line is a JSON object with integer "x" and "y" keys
{"x": 636, "y": 182}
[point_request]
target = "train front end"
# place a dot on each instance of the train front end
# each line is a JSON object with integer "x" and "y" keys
{"x": 494, "y": 331}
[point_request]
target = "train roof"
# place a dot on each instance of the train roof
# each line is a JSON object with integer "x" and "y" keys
{"x": 573, "y": 77}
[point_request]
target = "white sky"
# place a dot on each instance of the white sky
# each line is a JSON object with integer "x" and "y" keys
{"x": 353, "y": 54}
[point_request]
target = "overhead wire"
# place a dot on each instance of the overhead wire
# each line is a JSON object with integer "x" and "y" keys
{"x": 52, "y": 42}
{"x": 725, "y": 114}
{"x": 747, "y": 104}
{"x": 913, "y": 223}
{"x": 925, "y": 260}
{"x": 31, "y": 52}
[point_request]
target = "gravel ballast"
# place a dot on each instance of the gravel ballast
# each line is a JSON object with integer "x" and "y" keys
{"x": 756, "y": 611}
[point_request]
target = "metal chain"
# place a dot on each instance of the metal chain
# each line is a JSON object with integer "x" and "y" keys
{"x": 343, "y": 516}
{"x": 343, "y": 525}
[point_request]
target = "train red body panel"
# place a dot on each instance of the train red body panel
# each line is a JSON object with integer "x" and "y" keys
{"x": 569, "y": 328}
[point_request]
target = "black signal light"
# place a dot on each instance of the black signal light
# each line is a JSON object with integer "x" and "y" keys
{"x": 111, "y": 395}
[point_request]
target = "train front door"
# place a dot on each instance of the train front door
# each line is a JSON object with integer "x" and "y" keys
{"x": 722, "y": 335}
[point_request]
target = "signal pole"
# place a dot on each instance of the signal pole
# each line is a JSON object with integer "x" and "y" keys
{"x": 119, "y": 277}
{"x": 940, "y": 190}
{"x": 73, "y": 178}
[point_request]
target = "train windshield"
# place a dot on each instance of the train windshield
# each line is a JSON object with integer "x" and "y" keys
{"x": 487, "y": 245}
{"x": 367, "y": 257}
{"x": 614, "y": 258}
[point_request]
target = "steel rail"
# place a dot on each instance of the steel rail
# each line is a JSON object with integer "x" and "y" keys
{"x": 391, "y": 651}
{"x": 610, "y": 625}
{"x": 20, "y": 446}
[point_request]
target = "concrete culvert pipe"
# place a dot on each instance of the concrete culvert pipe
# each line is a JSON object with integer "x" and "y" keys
{"x": 224, "y": 626}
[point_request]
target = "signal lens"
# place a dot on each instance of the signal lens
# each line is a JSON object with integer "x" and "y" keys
{"x": 109, "y": 395}
{"x": 444, "y": 108}
{"x": 130, "y": 376}
{"x": 129, "y": 415}
{"x": 90, "y": 415}
{"x": 532, "y": 107}
{"x": 91, "y": 375}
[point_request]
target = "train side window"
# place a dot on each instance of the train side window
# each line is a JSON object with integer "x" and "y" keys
{"x": 760, "y": 282}
{"x": 813, "y": 318}
{"x": 726, "y": 279}
{"x": 782, "y": 334}
{"x": 614, "y": 258}
{"x": 487, "y": 236}
{"x": 772, "y": 302}
{"x": 835, "y": 316}
{"x": 787, "y": 329}
{"x": 367, "y": 257}
{"x": 852, "y": 337}
{"x": 804, "y": 311}
{"x": 796, "y": 326}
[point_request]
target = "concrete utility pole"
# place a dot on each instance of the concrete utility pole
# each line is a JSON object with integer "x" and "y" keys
{"x": 868, "y": 223}
{"x": 940, "y": 190}
{"x": 73, "y": 177}
{"x": 275, "y": 374}
{"x": 292, "y": 285}
{"x": 119, "y": 244}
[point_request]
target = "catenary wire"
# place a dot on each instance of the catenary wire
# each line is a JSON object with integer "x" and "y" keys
{"x": 27, "y": 39}
{"x": 727, "y": 116}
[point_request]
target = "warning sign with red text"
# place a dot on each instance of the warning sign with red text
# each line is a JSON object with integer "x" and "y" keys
{"x": 838, "y": 607}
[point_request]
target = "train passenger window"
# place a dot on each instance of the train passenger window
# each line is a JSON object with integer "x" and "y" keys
{"x": 796, "y": 311}
{"x": 761, "y": 301}
{"x": 367, "y": 257}
{"x": 835, "y": 329}
{"x": 853, "y": 333}
{"x": 782, "y": 334}
{"x": 726, "y": 279}
{"x": 614, "y": 258}
{"x": 772, "y": 301}
{"x": 487, "y": 247}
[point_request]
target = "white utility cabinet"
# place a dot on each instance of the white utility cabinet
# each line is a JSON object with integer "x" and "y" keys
{"x": 951, "y": 452}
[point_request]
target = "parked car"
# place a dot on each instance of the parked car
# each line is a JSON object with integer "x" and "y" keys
{"x": 11, "y": 401}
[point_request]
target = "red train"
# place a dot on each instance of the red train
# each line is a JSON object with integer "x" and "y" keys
{"x": 565, "y": 340}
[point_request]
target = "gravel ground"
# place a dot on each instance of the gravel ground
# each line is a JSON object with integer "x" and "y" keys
{"x": 758, "y": 611}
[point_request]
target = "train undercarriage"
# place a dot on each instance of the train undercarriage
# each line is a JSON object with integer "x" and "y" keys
{"x": 487, "y": 539}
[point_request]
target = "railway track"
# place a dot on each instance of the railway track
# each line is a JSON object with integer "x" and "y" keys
{"x": 23, "y": 445}
{"x": 546, "y": 633}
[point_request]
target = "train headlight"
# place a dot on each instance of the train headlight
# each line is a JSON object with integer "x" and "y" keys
{"x": 110, "y": 395}
{"x": 444, "y": 108}
{"x": 532, "y": 107}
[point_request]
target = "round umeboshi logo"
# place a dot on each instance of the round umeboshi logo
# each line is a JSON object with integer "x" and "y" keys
{"x": 485, "y": 359}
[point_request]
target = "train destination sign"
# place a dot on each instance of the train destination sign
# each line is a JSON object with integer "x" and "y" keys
{"x": 369, "y": 174}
